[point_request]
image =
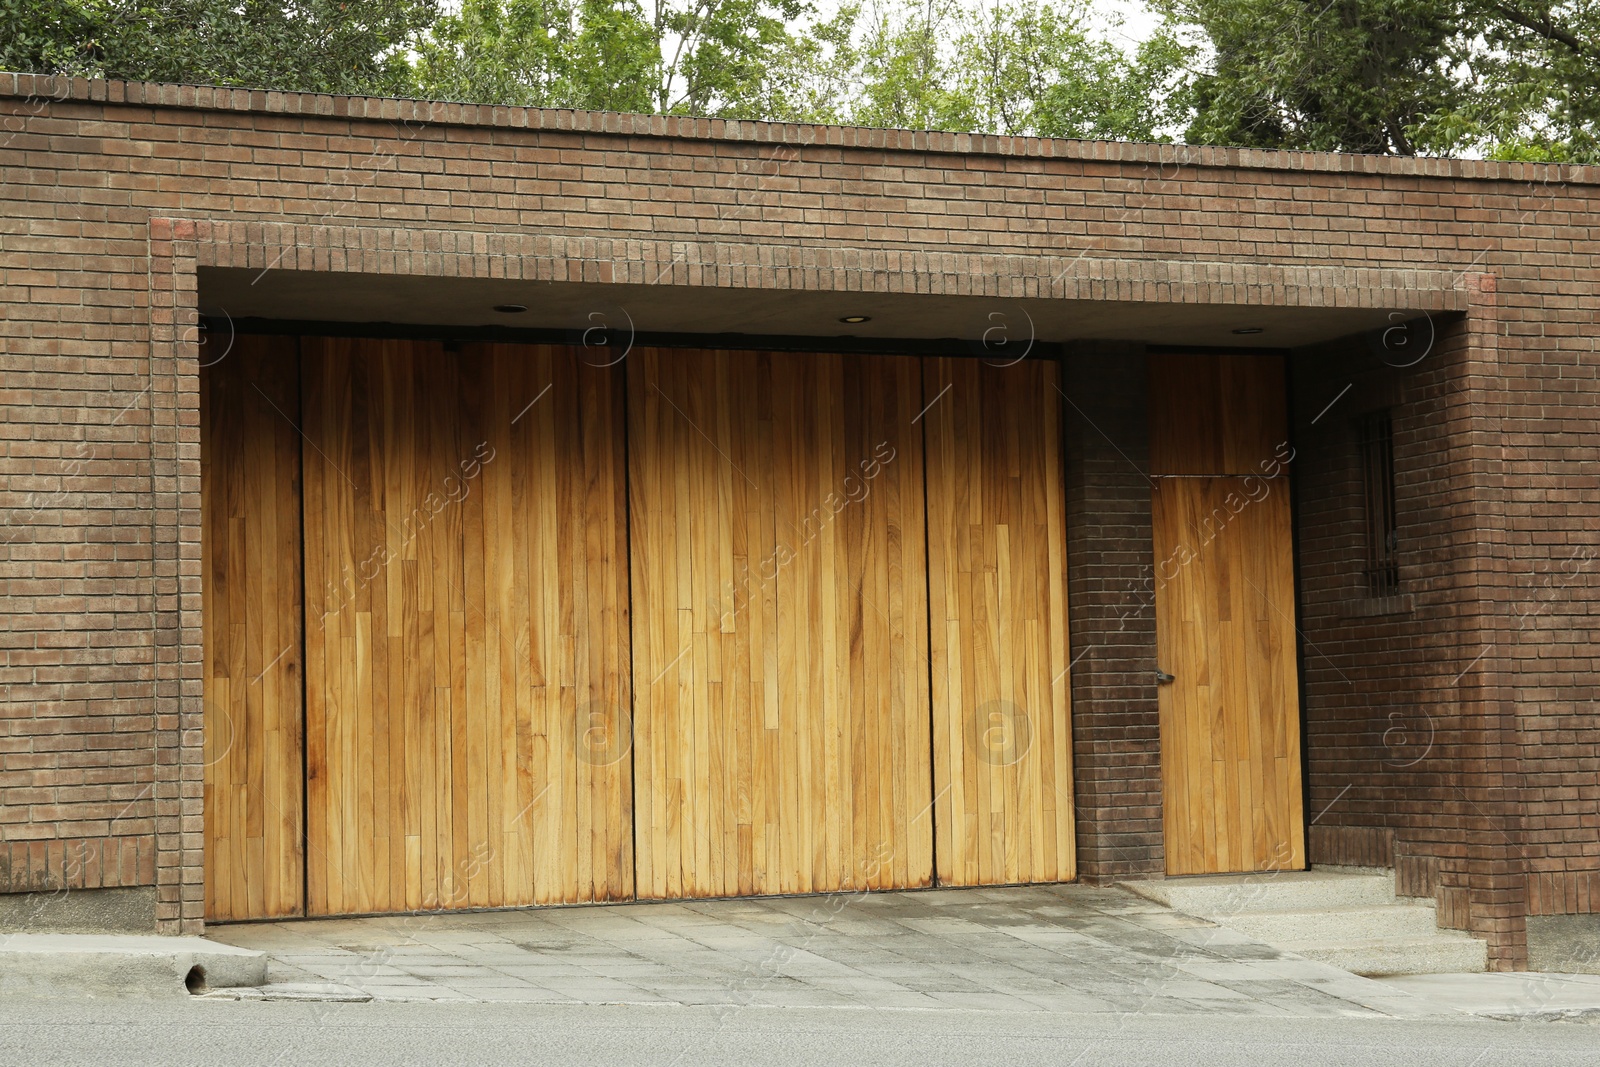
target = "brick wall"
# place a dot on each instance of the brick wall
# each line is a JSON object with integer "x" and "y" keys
{"x": 114, "y": 194}
{"x": 1454, "y": 714}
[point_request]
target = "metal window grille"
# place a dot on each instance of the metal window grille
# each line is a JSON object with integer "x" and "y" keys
{"x": 1382, "y": 569}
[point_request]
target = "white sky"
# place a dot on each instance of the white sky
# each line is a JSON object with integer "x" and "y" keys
{"x": 1137, "y": 21}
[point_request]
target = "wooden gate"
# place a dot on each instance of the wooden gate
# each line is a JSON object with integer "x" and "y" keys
{"x": 250, "y": 560}
{"x": 1230, "y": 721}
{"x": 780, "y": 657}
{"x": 1002, "y": 742}
{"x": 466, "y": 627}
{"x": 574, "y": 632}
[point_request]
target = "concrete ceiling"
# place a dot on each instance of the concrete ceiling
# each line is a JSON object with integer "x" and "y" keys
{"x": 371, "y": 298}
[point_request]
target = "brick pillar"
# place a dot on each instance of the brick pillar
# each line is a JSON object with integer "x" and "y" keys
{"x": 1490, "y": 771}
{"x": 178, "y": 697}
{"x": 1111, "y": 613}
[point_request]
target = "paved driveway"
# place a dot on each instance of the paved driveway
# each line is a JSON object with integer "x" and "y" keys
{"x": 1064, "y": 948}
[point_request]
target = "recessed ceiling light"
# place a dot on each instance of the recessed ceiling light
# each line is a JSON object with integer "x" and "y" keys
{"x": 852, "y": 319}
{"x": 511, "y": 309}
{"x": 1248, "y": 329}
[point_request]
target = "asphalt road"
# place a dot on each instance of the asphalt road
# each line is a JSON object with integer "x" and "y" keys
{"x": 244, "y": 1034}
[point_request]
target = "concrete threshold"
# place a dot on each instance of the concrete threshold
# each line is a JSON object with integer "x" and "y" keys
{"x": 123, "y": 964}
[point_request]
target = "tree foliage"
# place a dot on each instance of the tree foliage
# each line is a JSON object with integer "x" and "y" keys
{"x": 305, "y": 45}
{"x": 1515, "y": 78}
{"x": 1508, "y": 78}
{"x": 1012, "y": 68}
{"x": 665, "y": 56}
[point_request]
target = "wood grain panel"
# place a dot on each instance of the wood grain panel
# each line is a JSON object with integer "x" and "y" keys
{"x": 251, "y": 594}
{"x": 466, "y": 627}
{"x": 1216, "y": 414}
{"x": 781, "y": 627}
{"x": 1230, "y": 720}
{"x": 997, "y": 588}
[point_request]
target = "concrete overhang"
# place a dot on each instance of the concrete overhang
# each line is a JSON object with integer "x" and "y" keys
{"x": 691, "y": 309}
{"x": 432, "y": 278}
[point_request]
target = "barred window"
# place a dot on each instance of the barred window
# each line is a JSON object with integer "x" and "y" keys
{"x": 1381, "y": 570}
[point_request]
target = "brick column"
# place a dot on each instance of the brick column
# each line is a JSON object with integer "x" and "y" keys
{"x": 1490, "y": 771}
{"x": 1111, "y": 613}
{"x": 176, "y": 585}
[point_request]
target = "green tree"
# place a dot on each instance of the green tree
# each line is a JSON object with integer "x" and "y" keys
{"x": 1024, "y": 67}
{"x": 305, "y": 45}
{"x": 1032, "y": 68}
{"x": 1441, "y": 77}
{"x": 707, "y": 57}
{"x": 1508, "y": 78}
{"x": 1538, "y": 78}
{"x": 548, "y": 53}
{"x": 904, "y": 76}
{"x": 43, "y": 36}
{"x": 811, "y": 76}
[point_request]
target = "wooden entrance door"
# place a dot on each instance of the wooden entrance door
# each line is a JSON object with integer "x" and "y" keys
{"x": 1230, "y": 720}
{"x": 780, "y": 646}
{"x": 466, "y": 627}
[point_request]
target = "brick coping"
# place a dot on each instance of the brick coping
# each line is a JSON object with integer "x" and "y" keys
{"x": 45, "y": 89}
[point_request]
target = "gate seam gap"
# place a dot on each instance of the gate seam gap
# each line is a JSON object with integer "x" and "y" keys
{"x": 927, "y": 602}
{"x": 633, "y": 679}
{"x": 305, "y": 694}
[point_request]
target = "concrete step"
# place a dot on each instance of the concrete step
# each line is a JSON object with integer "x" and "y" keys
{"x": 1445, "y": 952}
{"x": 1346, "y": 918}
{"x": 1218, "y": 896}
{"x": 1391, "y": 922}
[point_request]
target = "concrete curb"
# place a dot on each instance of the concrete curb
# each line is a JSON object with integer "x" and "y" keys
{"x": 1511, "y": 996}
{"x": 108, "y": 964}
{"x": 312, "y": 992}
{"x": 1544, "y": 1015}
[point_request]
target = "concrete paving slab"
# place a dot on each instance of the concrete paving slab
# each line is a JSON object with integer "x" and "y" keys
{"x": 394, "y": 981}
{"x": 1068, "y": 1002}
{"x": 507, "y": 995}
{"x": 1220, "y": 970}
{"x": 432, "y": 995}
{"x": 1024, "y": 949}
{"x": 984, "y": 1001}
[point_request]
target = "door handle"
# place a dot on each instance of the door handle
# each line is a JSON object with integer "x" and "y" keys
{"x": 1162, "y": 677}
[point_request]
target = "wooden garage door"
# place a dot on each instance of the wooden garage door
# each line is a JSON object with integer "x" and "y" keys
{"x": 780, "y": 646}
{"x": 478, "y": 623}
{"x": 250, "y": 551}
{"x": 466, "y": 627}
{"x": 997, "y": 583}
{"x": 1230, "y": 720}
